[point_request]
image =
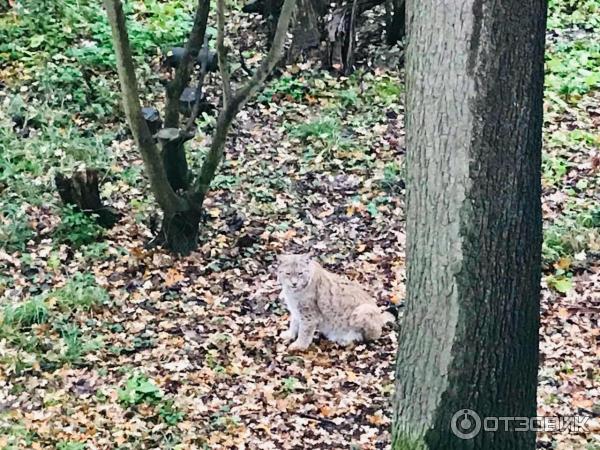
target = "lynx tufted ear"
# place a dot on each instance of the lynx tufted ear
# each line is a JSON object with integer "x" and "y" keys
{"x": 283, "y": 258}
{"x": 305, "y": 257}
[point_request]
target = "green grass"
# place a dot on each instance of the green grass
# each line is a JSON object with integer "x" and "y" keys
{"x": 74, "y": 345}
{"x": 62, "y": 341}
{"x": 572, "y": 64}
{"x": 571, "y": 234}
{"x": 393, "y": 176}
{"x": 285, "y": 86}
{"x": 324, "y": 128}
{"x": 70, "y": 445}
{"x": 63, "y": 52}
{"x": 572, "y": 67}
{"x": 584, "y": 14}
{"x": 33, "y": 311}
{"x": 80, "y": 293}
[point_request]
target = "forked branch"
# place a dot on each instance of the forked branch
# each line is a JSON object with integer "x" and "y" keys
{"x": 165, "y": 195}
{"x": 184, "y": 69}
{"x": 241, "y": 96}
{"x": 222, "y": 53}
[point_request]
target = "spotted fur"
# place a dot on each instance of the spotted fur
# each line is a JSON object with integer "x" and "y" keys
{"x": 319, "y": 300}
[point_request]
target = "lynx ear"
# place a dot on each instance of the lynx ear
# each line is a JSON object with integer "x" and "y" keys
{"x": 306, "y": 258}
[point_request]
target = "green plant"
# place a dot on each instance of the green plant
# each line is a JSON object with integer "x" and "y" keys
{"x": 584, "y": 14}
{"x": 284, "y": 86}
{"x": 80, "y": 293}
{"x": 289, "y": 385}
{"x": 70, "y": 445}
{"x": 223, "y": 421}
{"x": 75, "y": 346}
{"x": 392, "y": 178}
{"x": 571, "y": 234}
{"x": 325, "y": 128}
{"x": 62, "y": 50}
{"x": 33, "y": 311}
{"x": 16, "y": 433}
{"x": 139, "y": 389}
{"x": 169, "y": 413}
{"x": 323, "y": 133}
{"x": 15, "y": 229}
{"x": 553, "y": 169}
{"x": 572, "y": 67}
{"x": 386, "y": 91}
{"x": 560, "y": 281}
{"x": 77, "y": 228}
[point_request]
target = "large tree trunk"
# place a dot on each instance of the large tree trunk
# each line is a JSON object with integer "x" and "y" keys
{"x": 307, "y": 29}
{"x": 179, "y": 231}
{"x": 469, "y": 338}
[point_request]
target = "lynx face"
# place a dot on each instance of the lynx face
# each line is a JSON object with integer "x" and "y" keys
{"x": 294, "y": 272}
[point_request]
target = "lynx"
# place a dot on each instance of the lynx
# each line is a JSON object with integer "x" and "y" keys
{"x": 319, "y": 300}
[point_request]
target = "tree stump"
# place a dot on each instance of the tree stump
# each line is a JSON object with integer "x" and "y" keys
{"x": 81, "y": 190}
{"x": 152, "y": 118}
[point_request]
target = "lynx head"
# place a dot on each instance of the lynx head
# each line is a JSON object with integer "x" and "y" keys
{"x": 294, "y": 271}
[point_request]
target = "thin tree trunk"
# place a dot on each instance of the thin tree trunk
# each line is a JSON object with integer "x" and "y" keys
{"x": 469, "y": 338}
{"x": 168, "y": 200}
{"x": 179, "y": 231}
{"x": 168, "y": 172}
{"x": 186, "y": 67}
{"x": 234, "y": 100}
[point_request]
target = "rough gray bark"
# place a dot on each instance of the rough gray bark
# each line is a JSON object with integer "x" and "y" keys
{"x": 306, "y": 30}
{"x": 469, "y": 338}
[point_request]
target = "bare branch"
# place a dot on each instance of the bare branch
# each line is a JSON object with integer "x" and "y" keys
{"x": 351, "y": 40}
{"x": 222, "y": 54}
{"x": 153, "y": 163}
{"x": 184, "y": 70}
{"x": 240, "y": 97}
{"x": 268, "y": 64}
{"x": 198, "y": 98}
{"x": 243, "y": 64}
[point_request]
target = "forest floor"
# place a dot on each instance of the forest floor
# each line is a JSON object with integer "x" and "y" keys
{"x": 106, "y": 343}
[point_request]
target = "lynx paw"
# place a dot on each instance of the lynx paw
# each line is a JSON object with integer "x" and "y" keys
{"x": 288, "y": 335}
{"x": 296, "y": 346}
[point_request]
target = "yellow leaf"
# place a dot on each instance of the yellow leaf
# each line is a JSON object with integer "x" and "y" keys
{"x": 376, "y": 419}
{"x": 173, "y": 276}
{"x": 563, "y": 263}
{"x": 326, "y": 213}
{"x": 326, "y": 411}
